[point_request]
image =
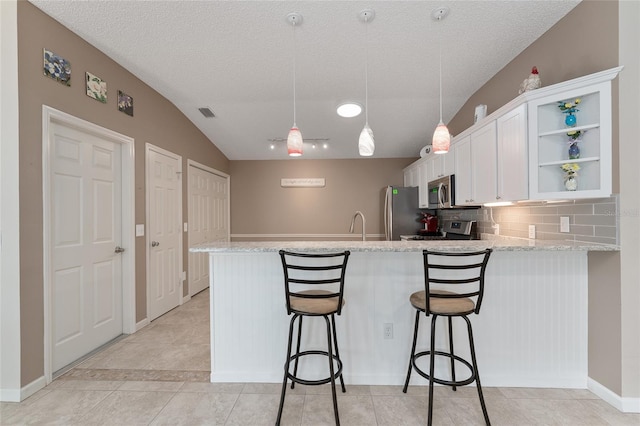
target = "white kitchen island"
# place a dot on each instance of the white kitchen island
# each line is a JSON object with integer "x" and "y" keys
{"x": 531, "y": 331}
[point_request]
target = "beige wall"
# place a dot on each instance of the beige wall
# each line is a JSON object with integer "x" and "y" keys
{"x": 605, "y": 326}
{"x": 260, "y": 206}
{"x": 155, "y": 120}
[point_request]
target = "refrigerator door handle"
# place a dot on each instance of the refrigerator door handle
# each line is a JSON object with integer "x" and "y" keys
{"x": 387, "y": 213}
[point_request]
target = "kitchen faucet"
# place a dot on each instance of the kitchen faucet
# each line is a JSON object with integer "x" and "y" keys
{"x": 353, "y": 221}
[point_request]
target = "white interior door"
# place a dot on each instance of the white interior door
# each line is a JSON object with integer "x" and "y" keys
{"x": 164, "y": 213}
{"x": 86, "y": 232}
{"x": 208, "y": 219}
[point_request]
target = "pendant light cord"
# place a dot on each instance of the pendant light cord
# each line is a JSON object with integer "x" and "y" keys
{"x": 294, "y": 74}
{"x": 366, "y": 70}
{"x": 440, "y": 43}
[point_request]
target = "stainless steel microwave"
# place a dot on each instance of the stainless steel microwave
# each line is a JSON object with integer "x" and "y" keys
{"x": 442, "y": 192}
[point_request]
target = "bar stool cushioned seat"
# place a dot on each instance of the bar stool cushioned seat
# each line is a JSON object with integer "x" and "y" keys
{"x": 465, "y": 272}
{"x": 314, "y": 287}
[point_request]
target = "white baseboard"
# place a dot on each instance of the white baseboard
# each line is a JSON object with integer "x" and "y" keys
{"x": 18, "y": 395}
{"x": 142, "y": 324}
{"x": 626, "y": 405}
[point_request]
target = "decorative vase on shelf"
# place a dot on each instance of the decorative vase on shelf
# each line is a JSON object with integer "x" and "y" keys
{"x": 574, "y": 151}
{"x": 570, "y": 182}
{"x": 570, "y": 120}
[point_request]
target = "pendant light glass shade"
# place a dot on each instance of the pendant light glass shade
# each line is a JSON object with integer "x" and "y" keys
{"x": 366, "y": 145}
{"x": 441, "y": 139}
{"x": 294, "y": 142}
{"x": 294, "y": 139}
{"x": 441, "y": 136}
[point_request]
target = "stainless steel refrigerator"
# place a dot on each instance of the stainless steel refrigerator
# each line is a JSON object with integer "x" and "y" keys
{"x": 400, "y": 212}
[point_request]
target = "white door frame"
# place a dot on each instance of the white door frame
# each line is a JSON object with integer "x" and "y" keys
{"x": 52, "y": 115}
{"x": 151, "y": 147}
{"x": 192, "y": 163}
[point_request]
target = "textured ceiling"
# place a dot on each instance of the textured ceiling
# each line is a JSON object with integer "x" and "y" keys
{"x": 236, "y": 57}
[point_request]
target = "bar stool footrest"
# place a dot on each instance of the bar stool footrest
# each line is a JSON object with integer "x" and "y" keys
{"x": 442, "y": 381}
{"x": 337, "y": 371}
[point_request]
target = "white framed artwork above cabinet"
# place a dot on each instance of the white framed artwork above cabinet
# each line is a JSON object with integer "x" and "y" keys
{"x": 549, "y": 140}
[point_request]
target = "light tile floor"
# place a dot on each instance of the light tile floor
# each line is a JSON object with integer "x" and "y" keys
{"x": 159, "y": 376}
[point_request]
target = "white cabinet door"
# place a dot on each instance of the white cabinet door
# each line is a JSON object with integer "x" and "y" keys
{"x": 462, "y": 167}
{"x": 423, "y": 189}
{"x": 483, "y": 164}
{"x": 411, "y": 177}
{"x": 448, "y": 163}
{"x": 435, "y": 166}
{"x": 513, "y": 155}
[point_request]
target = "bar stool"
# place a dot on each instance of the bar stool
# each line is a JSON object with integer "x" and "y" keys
{"x": 465, "y": 271}
{"x": 314, "y": 286}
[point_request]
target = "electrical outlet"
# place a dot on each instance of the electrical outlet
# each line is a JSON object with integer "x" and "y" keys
{"x": 496, "y": 229}
{"x": 564, "y": 223}
{"x": 388, "y": 330}
{"x": 532, "y": 232}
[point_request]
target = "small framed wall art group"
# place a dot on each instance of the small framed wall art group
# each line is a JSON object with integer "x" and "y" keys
{"x": 59, "y": 69}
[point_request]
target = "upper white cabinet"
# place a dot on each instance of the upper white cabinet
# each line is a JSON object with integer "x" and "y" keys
{"x": 549, "y": 142}
{"x": 423, "y": 190}
{"x": 440, "y": 165}
{"x": 518, "y": 151}
{"x": 475, "y": 166}
{"x": 411, "y": 177}
{"x": 462, "y": 160}
{"x": 512, "y": 156}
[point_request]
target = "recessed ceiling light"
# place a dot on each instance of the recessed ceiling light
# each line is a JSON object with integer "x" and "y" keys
{"x": 349, "y": 110}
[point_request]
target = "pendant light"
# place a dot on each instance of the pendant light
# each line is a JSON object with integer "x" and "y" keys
{"x": 366, "y": 145}
{"x": 294, "y": 140}
{"x": 441, "y": 136}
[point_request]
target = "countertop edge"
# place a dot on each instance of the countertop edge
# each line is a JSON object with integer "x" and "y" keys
{"x": 498, "y": 244}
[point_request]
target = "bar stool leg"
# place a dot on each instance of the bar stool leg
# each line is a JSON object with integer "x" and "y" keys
{"x": 335, "y": 345}
{"x": 333, "y": 379}
{"x": 432, "y": 359}
{"x": 286, "y": 370}
{"x": 453, "y": 368}
{"x": 413, "y": 351}
{"x": 475, "y": 371}
{"x": 295, "y": 366}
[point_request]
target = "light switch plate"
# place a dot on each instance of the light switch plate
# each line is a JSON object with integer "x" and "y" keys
{"x": 532, "y": 231}
{"x": 564, "y": 223}
{"x": 185, "y": 227}
{"x": 140, "y": 230}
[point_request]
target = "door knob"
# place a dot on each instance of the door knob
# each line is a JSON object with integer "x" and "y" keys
{"x": 154, "y": 244}
{"x": 119, "y": 249}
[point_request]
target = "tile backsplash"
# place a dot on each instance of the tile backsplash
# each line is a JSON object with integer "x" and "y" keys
{"x": 594, "y": 220}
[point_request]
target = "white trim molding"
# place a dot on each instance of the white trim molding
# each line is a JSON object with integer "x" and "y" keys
{"x": 624, "y": 404}
{"x": 10, "y": 332}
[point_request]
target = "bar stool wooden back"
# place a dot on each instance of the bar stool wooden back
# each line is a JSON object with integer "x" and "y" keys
{"x": 465, "y": 272}
{"x": 314, "y": 287}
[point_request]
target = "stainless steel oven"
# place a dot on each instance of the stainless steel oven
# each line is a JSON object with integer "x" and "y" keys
{"x": 452, "y": 229}
{"x": 442, "y": 192}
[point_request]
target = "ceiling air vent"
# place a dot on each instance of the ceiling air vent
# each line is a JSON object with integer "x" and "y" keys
{"x": 207, "y": 112}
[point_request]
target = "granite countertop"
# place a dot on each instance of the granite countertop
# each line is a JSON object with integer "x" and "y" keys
{"x": 497, "y": 243}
